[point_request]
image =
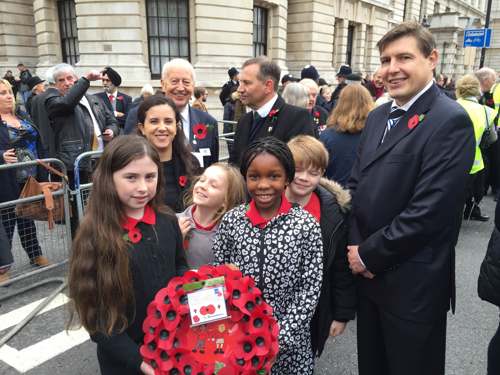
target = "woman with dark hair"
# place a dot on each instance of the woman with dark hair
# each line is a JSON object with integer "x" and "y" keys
{"x": 160, "y": 123}
{"x": 19, "y": 141}
{"x": 344, "y": 126}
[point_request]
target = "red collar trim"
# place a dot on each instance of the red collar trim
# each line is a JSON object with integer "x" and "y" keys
{"x": 208, "y": 228}
{"x": 149, "y": 217}
{"x": 313, "y": 206}
{"x": 258, "y": 221}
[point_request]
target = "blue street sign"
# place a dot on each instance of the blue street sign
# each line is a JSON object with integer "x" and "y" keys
{"x": 480, "y": 38}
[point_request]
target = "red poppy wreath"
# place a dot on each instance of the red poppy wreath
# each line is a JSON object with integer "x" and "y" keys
{"x": 245, "y": 343}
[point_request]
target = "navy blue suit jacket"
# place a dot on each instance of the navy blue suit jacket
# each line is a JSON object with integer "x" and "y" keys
{"x": 123, "y": 104}
{"x": 408, "y": 193}
{"x": 210, "y": 141}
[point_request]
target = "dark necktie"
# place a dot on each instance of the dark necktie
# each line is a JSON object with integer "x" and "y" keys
{"x": 392, "y": 121}
{"x": 256, "y": 123}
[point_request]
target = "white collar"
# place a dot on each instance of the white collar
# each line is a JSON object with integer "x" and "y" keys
{"x": 115, "y": 93}
{"x": 406, "y": 107}
{"x": 185, "y": 112}
{"x": 266, "y": 108}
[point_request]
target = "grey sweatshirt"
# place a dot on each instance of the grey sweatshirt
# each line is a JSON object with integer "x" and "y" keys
{"x": 199, "y": 248}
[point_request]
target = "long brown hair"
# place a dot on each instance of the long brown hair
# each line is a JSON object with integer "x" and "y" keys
{"x": 351, "y": 111}
{"x": 100, "y": 283}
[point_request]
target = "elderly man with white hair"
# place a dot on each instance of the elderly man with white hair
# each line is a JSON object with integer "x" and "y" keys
{"x": 80, "y": 122}
{"x": 319, "y": 114}
{"x": 200, "y": 128}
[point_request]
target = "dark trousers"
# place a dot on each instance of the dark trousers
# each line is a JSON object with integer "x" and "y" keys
{"x": 389, "y": 345}
{"x": 26, "y": 229}
{"x": 474, "y": 193}
{"x": 494, "y": 354}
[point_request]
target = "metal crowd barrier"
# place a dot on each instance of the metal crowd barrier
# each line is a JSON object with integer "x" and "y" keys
{"x": 31, "y": 238}
{"x": 82, "y": 189}
{"x": 227, "y": 136}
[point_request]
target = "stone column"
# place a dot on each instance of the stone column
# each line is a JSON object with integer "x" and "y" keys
{"x": 359, "y": 48}
{"x": 221, "y": 37}
{"x": 310, "y": 35}
{"x": 48, "y": 38}
{"x": 17, "y": 35}
{"x": 340, "y": 42}
{"x": 114, "y": 33}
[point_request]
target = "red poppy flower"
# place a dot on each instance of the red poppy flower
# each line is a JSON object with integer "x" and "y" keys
{"x": 182, "y": 181}
{"x": 316, "y": 114}
{"x": 134, "y": 235}
{"x": 200, "y": 131}
{"x": 273, "y": 112}
{"x": 413, "y": 121}
{"x": 119, "y": 97}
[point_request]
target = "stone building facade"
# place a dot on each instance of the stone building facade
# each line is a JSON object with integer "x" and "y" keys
{"x": 137, "y": 36}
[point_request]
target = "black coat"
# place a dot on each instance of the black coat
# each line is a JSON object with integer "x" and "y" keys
{"x": 408, "y": 193}
{"x": 488, "y": 286}
{"x": 227, "y": 90}
{"x": 123, "y": 105}
{"x": 288, "y": 122}
{"x": 73, "y": 135}
{"x": 157, "y": 258}
{"x": 41, "y": 119}
{"x": 337, "y": 300}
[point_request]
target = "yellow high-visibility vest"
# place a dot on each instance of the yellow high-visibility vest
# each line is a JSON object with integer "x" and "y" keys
{"x": 495, "y": 90}
{"x": 477, "y": 114}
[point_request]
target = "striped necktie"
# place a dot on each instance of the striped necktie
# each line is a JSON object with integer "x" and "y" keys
{"x": 392, "y": 121}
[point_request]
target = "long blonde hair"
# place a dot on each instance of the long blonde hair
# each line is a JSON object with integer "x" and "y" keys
{"x": 9, "y": 88}
{"x": 351, "y": 111}
{"x": 236, "y": 190}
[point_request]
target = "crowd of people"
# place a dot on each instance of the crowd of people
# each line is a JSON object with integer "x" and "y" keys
{"x": 340, "y": 203}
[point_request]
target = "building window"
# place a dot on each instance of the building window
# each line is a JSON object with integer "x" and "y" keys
{"x": 350, "y": 40}
{"x": 259, "y": 31}
{"x": 68, "y": 31}
{"x": 168, "y": 32}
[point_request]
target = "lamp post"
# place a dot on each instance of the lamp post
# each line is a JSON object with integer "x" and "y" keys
{"x": 486, "y": 25}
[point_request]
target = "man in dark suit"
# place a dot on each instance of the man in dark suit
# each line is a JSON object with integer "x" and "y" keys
{"x": 229, "y": 86}
{"x": 408, "y": 186}
{"x": 270, "y": 115}
{"x": 117, "y": 102}
{"x": 200, "y": 128}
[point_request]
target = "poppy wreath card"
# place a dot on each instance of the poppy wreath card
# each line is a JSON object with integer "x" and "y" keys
{"x": 244, "y": 342}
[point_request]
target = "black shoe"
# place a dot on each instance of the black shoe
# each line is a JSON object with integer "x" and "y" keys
{"x": 479, "y": 217}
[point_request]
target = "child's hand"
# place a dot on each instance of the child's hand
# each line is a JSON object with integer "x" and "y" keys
{"x": 185, "y": 224}
{"x": 337, "y": 328}
{"x": 147, "y": 369}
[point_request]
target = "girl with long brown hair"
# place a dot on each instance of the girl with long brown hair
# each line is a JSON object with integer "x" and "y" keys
{"x": 343, "y": 131}
{"x": 127, "y": 247}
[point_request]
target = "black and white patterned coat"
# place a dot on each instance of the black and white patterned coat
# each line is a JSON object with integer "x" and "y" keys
{"x": 285, "y": 259}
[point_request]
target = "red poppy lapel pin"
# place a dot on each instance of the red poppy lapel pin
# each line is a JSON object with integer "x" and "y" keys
{"x": 182, "y": 181}
{"x": 200, "y": 131}
{"x": 273, "y": 116}
{"x": 415, "y": 120}
{"x": 134, "y": 235}
{"x": 119, "y": 97}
